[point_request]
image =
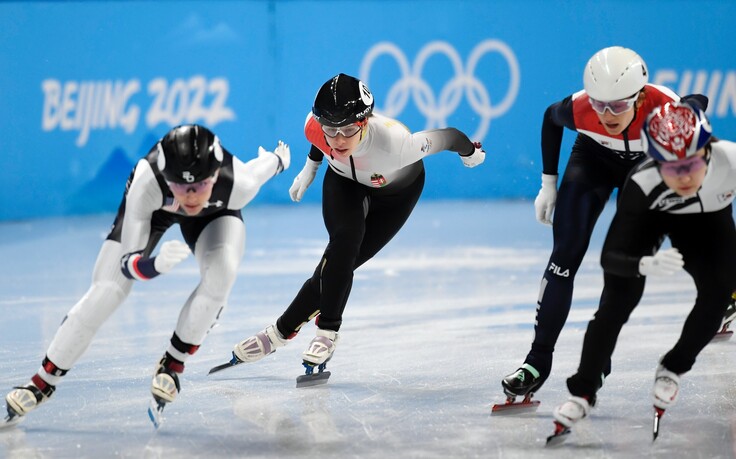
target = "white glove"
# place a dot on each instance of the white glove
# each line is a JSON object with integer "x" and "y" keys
{"x": 282, "y": 152}
{"x": 171, "y": 254}
{"x": 663, "y": 263}
{"x": 544, "y": 204}
{"x": 303, "y": 180}
{"x": 476, "y": 157}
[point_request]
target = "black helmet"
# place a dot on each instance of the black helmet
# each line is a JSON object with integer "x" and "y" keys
{"x": 189, "y": 153}
{"x": 342, "y": 100}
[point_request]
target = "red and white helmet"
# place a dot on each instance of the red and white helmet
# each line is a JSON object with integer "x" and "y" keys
{"x": 675, "y": 131}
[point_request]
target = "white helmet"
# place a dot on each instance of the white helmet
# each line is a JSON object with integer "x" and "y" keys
{"x": 614, "y": 73}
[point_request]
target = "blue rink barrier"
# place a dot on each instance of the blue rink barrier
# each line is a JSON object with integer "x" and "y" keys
{"x": 88, "y": 87}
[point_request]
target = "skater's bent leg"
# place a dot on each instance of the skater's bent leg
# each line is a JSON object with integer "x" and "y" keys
{"x": 700, "y": 326}
{"x": 578, "y": 208}
{"x": 303, "y": 308}
{"x": 345, "y": 205}
{"x": 385, "y": 217}
{"x": 219, "y": 250}
{"x": 108, "y": 290}
{"x": 708, "y": 249}
{"x": 337, "y": 275}
{"x": 619, "y": 298}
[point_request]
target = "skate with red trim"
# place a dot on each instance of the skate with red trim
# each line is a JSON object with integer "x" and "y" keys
{"x": 24, "y": 399}
{"x": 665, "y": 392}
{"x": 566, "y": 416}
{"x": 725, "y": 332}
{"x": 523, "y": 383}
{"x": 165, "y": 387}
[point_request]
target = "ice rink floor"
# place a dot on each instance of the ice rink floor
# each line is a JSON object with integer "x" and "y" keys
{"x": 433, "y": 323}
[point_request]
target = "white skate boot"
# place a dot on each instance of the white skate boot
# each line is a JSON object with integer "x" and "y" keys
{"x": 25, "y": 399}
{"x": 573, "y": 410}
{"x": 665, "y": 393}
{"x": 164, "y": 388}
{"x": 259, "y": 345}
{"x": 666, "y": 388}
{"x": 321, "y": 348}
{"x": 22, "y": 400}
{"x": 566, "y": 415}
{"x": 318, "y": 353}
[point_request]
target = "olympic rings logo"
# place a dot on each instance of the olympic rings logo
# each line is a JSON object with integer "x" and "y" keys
{"x": 464, "y": 82}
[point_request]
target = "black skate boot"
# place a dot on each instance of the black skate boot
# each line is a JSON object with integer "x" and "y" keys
{"x": 521, "y": 383}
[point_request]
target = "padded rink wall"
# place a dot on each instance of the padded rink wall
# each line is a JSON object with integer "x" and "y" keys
{"x": 86, "y": 88}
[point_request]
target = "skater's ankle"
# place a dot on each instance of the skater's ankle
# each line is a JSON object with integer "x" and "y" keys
{"x": 329, "y": 334}
{"x": 531, "y": 369}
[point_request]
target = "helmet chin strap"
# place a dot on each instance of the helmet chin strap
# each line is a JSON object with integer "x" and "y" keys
{"x": 636, "y": 110}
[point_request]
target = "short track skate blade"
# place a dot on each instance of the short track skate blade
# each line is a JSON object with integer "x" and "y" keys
{"x": 233, "y": 361}
{"x": 224, "y": 366}
{"x": 658, "y": 413}
{"x": 723, "y": 336}
{"x": 10, "y": 422}
{"x": 156, "y": 413}
{"x": 559, "y": 436}
{"x": 512, "y": 408}
{"x": 315, "y": 379}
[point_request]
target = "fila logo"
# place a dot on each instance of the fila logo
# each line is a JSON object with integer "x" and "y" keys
{"x": 557, "y": 270}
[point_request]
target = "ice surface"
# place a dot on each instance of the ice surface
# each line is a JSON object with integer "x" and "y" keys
{"x": 433, "y": 323}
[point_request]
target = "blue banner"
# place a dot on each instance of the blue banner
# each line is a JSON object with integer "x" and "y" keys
{"x": 88, "y": 87}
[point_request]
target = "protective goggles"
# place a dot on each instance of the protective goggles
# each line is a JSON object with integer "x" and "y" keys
{"x": 196, "y": 187}
{"x": 347, "y": 131}
{"x": 616, "y": 107}
{"x": 682, "y": 167}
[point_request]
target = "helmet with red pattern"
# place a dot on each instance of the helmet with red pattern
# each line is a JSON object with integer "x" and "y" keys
{"x": 675, "y": 131}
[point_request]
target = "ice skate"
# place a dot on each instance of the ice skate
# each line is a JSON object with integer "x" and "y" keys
{"x": 318, "y": 353}
{"x": 254, "y": 348}
{"x": 164, "y": 388}
{"x": 521, "y": 383}
{"x": 22, "y": 400}
{"x": 665, "y": 393}
{"x": 567, "y": 415}
{"x": 259, "y": 345}
{"x": 725, "y": 333}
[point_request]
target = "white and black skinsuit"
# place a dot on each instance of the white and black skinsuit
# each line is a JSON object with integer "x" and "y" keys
{"x": 701, "y": 227}
{"x": 216, "y": 236}
{"x": 366, "y": 199}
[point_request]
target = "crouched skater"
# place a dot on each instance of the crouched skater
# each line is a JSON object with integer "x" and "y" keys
{"x": 374, "y": 180}
{"x": 187, "y": 178}
{"x": 683, "y": 191}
